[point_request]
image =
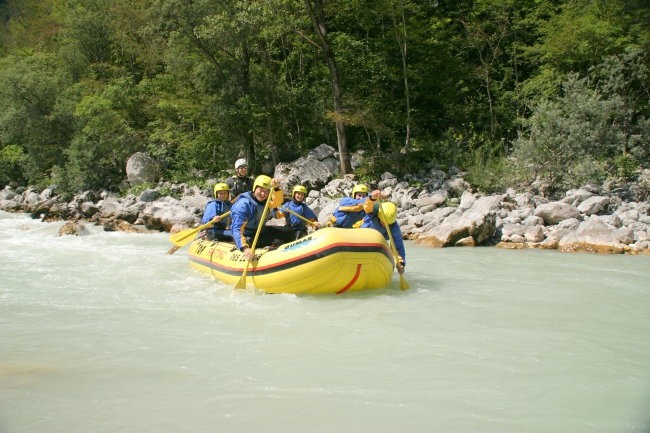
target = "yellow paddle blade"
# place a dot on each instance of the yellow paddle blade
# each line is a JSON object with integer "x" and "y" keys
{"x": 241, "y": 284}
{"x": 403, "y": 284}
{"x": 184, "y": 236}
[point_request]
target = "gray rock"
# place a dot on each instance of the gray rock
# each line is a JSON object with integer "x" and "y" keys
{"x": 516, "y": 238}
{"x": 594, "y": 205}
{"x": 467, "y": 200}
{"x": 508, "y": 230}
{"x": 88, "y": 209}
{"x": 109, "y": 207}
{"x": 554, "y": 212}
{"x": 141, "y": 168}
{"x": 456, "y": 186}
{"x": 479, "y": 222}
{"x": 309, "y": 172}
{"x": 532, "y": 221}
{"x": 569, "y": 224}
{"x": 625, "y": 235}
{"x": 466, "y": 242}
{"x": 72, "y": 228}
{"x": 593, "y": 235}
{"x": 431, "y": 201}
{"x": 323, "y": 152}
{"x": 167, "y": 212}
{"x": 534, "y": 234}
{"x": 576, "y": 196}
{"x": 149, "y": 195}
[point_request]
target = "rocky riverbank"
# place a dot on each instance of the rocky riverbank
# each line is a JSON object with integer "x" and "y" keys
{"x": 435, "y": 209}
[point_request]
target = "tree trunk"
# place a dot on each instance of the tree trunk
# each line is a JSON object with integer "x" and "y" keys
{"x": 315, "y": 11}
{"x": 401, "y": 37}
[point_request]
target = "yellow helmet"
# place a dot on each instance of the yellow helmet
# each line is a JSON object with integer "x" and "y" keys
{"x": 220, "y": 187}
{"x": 262, "y": 181}
{"x": 298, "y": 188}
{"x": 388, "y": 212}
{"x": 359, "y": 188}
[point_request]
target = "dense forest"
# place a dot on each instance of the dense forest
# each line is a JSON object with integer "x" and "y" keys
{"x": 508, "y": 91}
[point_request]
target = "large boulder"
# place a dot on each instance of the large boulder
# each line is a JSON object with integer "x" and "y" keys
{"x": 167, "y": 212}
{"x": 594, "y": 205}
{"x": 323, "y": 152}
{"x": 140, "y": 169}
{"x": 109, "y": 207}
{"x": 577, "y": 196}
{"x": 554, "y": 212}
{"x": 594, "y": 236}
{"x": 310, "y": 172}
{"x": 479, "y": 222}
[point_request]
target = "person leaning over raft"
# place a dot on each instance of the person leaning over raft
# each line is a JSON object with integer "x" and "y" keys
{"x": 213, "y": 211}
{"x": 379, "y": 220}
{"x": 247, "y": 212}
{"x": 350, "y": 210}
{"x": 298, "y": 206}
{"x": 241, "y": 182}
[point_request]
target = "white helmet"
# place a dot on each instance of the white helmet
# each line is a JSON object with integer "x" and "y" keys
{"x": 240, "y": 163}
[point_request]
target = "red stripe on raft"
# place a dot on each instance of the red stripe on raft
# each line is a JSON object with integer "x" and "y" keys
{"x": 352, "y": 281}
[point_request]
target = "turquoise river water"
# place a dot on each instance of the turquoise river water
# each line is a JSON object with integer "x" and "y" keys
{"x": 106, "y": 333}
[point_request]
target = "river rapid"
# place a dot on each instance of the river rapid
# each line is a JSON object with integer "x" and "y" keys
{"x": 106, "y": 333}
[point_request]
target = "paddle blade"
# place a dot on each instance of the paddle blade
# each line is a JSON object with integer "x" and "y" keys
{"x": 183, "y": 237}
{"x": 403, "y": 284}
{"x": 241, "y": 284}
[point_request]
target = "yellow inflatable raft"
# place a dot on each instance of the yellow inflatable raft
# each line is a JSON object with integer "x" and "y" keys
{"x": 330, "y": 260}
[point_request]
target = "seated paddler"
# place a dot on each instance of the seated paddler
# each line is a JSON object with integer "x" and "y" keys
{"x": 214, "y": 211}
{"x": 299, "y": 217}
{"x": 246, "y": 216}
{"x": 349, "y": 213}
{"x": 382, "y": 216}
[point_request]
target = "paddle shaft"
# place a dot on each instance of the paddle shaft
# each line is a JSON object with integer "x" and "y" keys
{"x": 184, "y": 237}
{"x": 283, "y": 209}
{"x": 241, "y": 284}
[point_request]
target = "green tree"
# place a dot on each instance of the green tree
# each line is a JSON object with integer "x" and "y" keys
{"x": 13, "y": 160}
{"x": 30, "y": 84}
{"x": 572, "y": 139}
{"x": 103, "y": 142}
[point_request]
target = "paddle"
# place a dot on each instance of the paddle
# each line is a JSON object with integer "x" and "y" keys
{"x": 299, "y": 216}
{"x": 186, "y": 236}
{"x": 403, "y": 284}
{"x": 241, "y": 284}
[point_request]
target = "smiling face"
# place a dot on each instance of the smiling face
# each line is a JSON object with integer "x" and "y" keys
{"x": 261, "y": 194}
{"x": 299, "y": 196}
{"x": 223, "y": 195}
{"x": 242, "y": 171}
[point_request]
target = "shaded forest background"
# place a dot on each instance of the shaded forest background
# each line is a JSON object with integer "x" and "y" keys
{"x": 508, "y": 91}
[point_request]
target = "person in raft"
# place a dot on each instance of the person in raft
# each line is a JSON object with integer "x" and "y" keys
{"x": 349, "y": 213}
{"x": 382, "y": 216}
{"x": 298, "y": 206}
{"x": 246, "y": 214}
{"x": 241, "y": 182}
{"x": 213, "y": 210}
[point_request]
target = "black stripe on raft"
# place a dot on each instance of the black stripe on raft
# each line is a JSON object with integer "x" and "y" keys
{"x": 281, "y": 266}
